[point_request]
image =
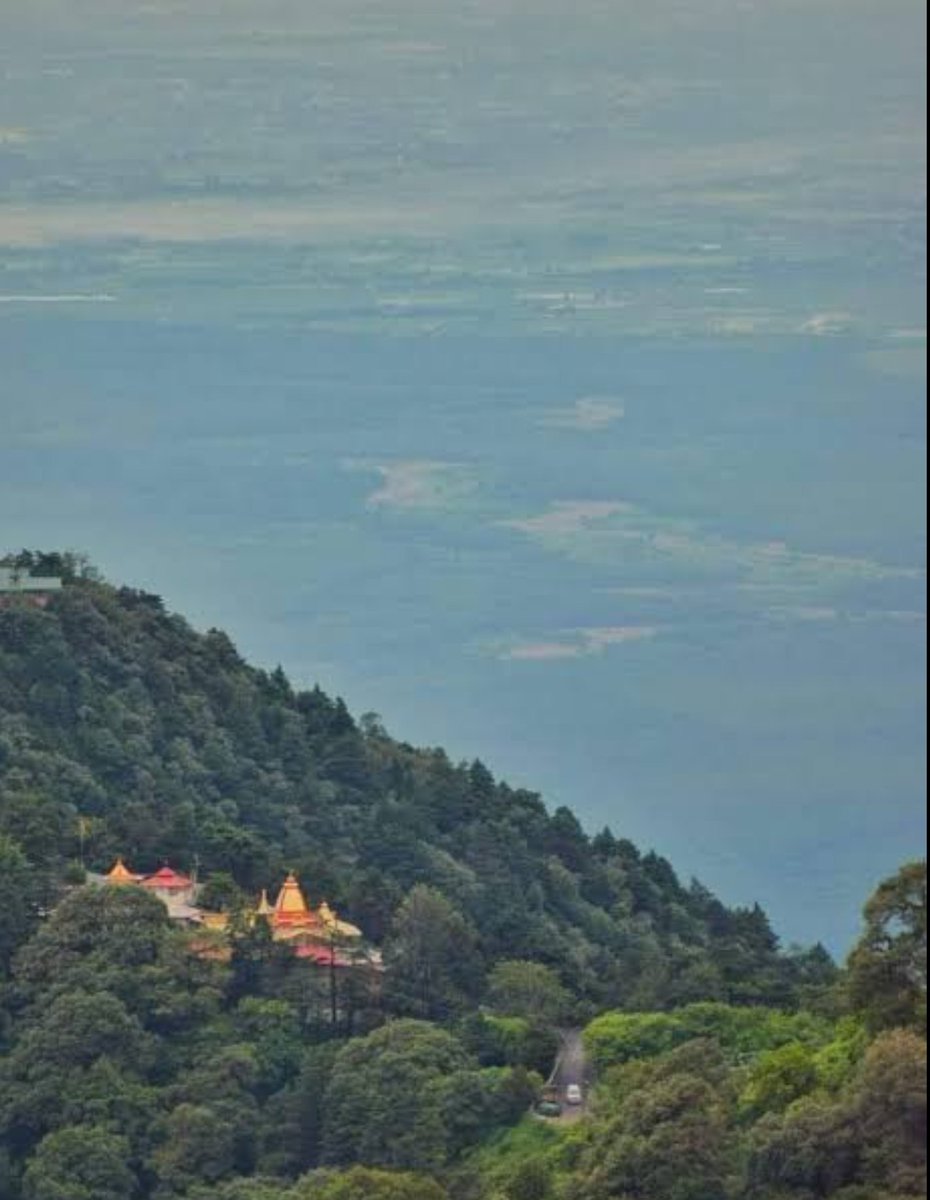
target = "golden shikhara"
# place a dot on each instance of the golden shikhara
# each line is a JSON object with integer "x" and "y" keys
{"x": 120, "y": 873}
{"x": 291, "y": 909}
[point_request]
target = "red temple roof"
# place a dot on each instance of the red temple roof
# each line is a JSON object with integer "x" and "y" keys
{"x": 168, "y": 880}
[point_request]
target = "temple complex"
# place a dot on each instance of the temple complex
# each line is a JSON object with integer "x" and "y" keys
{"x": 317, "y": 935}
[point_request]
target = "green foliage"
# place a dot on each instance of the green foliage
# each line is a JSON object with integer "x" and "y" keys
{"x": 623, "y": 1037}
{"x": 816, "y": 1116}
{"x": 530, "y": 990}
{"x": 168, "y": 745}
{"x": 779, "y": 1078}
{"x": 742, "y": 1033}
{"x": 80, "y": 1163}
{"x": 666, "y": 1136}
{"x": 292, "y": 1137}
{"x": 873, "y": 1135}
{"x": 197, "y": 1145}
{"x": 431, "y": 958}
{"x": 839, "y": 1059}
{"x": 529, "y": 1181}
{"x": 252, "y": 1188}
{"x": 408, "y": 1097}
{"x": 384, "y": 1096}
{"x": 131, "y": 1067}
{"x": 511, "y": 1159}
{"x": 892, "y": 1111}
{"x": 18, "y": 900}
{"x": 474, "y": 1104}
{"x": 796, "y": 1069}
{"x": 106, "y": 1004}
{"x": 221, "y": 893}
{"x": 888, "y": 968}
{"x": 94, "y": 935}
{"x": 510, "y": 1041}
{"x": 363, "y": 1184}
{"x": 272, "y": 1027}
{"x": 814, "y": 1150}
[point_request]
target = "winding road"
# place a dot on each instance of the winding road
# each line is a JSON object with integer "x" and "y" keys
{"x": 571, "y": 1069}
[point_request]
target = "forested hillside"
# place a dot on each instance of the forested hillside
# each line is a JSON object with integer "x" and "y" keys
{"x": 136, "y": 1066}
{"x": 169, "y": 746}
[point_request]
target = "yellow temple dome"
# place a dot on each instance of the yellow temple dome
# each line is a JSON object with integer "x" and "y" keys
{"x": 120, "y": 873}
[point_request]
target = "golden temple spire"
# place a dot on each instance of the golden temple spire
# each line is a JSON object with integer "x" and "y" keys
{"x": 291, "y": 907}
{"x": 120, "y": 873}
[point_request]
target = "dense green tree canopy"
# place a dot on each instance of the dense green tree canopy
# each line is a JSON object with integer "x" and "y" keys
{"x": 528, "y": 989}
{"x": 384, "y": 1096}
{"x": 618, "y": 1037}
{"x": 432, "y": 961}
{"x": 123, "y": 731}
{"x": 363, "y": 1184}
{"x": 80, "y": 1163}
{"x": 666, "y": 1135}
{"x": 18, "y": 899}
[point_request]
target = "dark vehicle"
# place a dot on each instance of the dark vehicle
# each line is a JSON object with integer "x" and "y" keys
{"x": 549, "y": 1108}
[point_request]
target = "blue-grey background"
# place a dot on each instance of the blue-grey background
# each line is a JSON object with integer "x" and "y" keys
{"x": 547, "y": 377}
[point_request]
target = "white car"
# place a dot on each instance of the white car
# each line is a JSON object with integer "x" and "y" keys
{"x": 573, "y": 1094}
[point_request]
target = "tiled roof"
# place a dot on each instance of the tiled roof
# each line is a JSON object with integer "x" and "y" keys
{"x": 167, "y": 879}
